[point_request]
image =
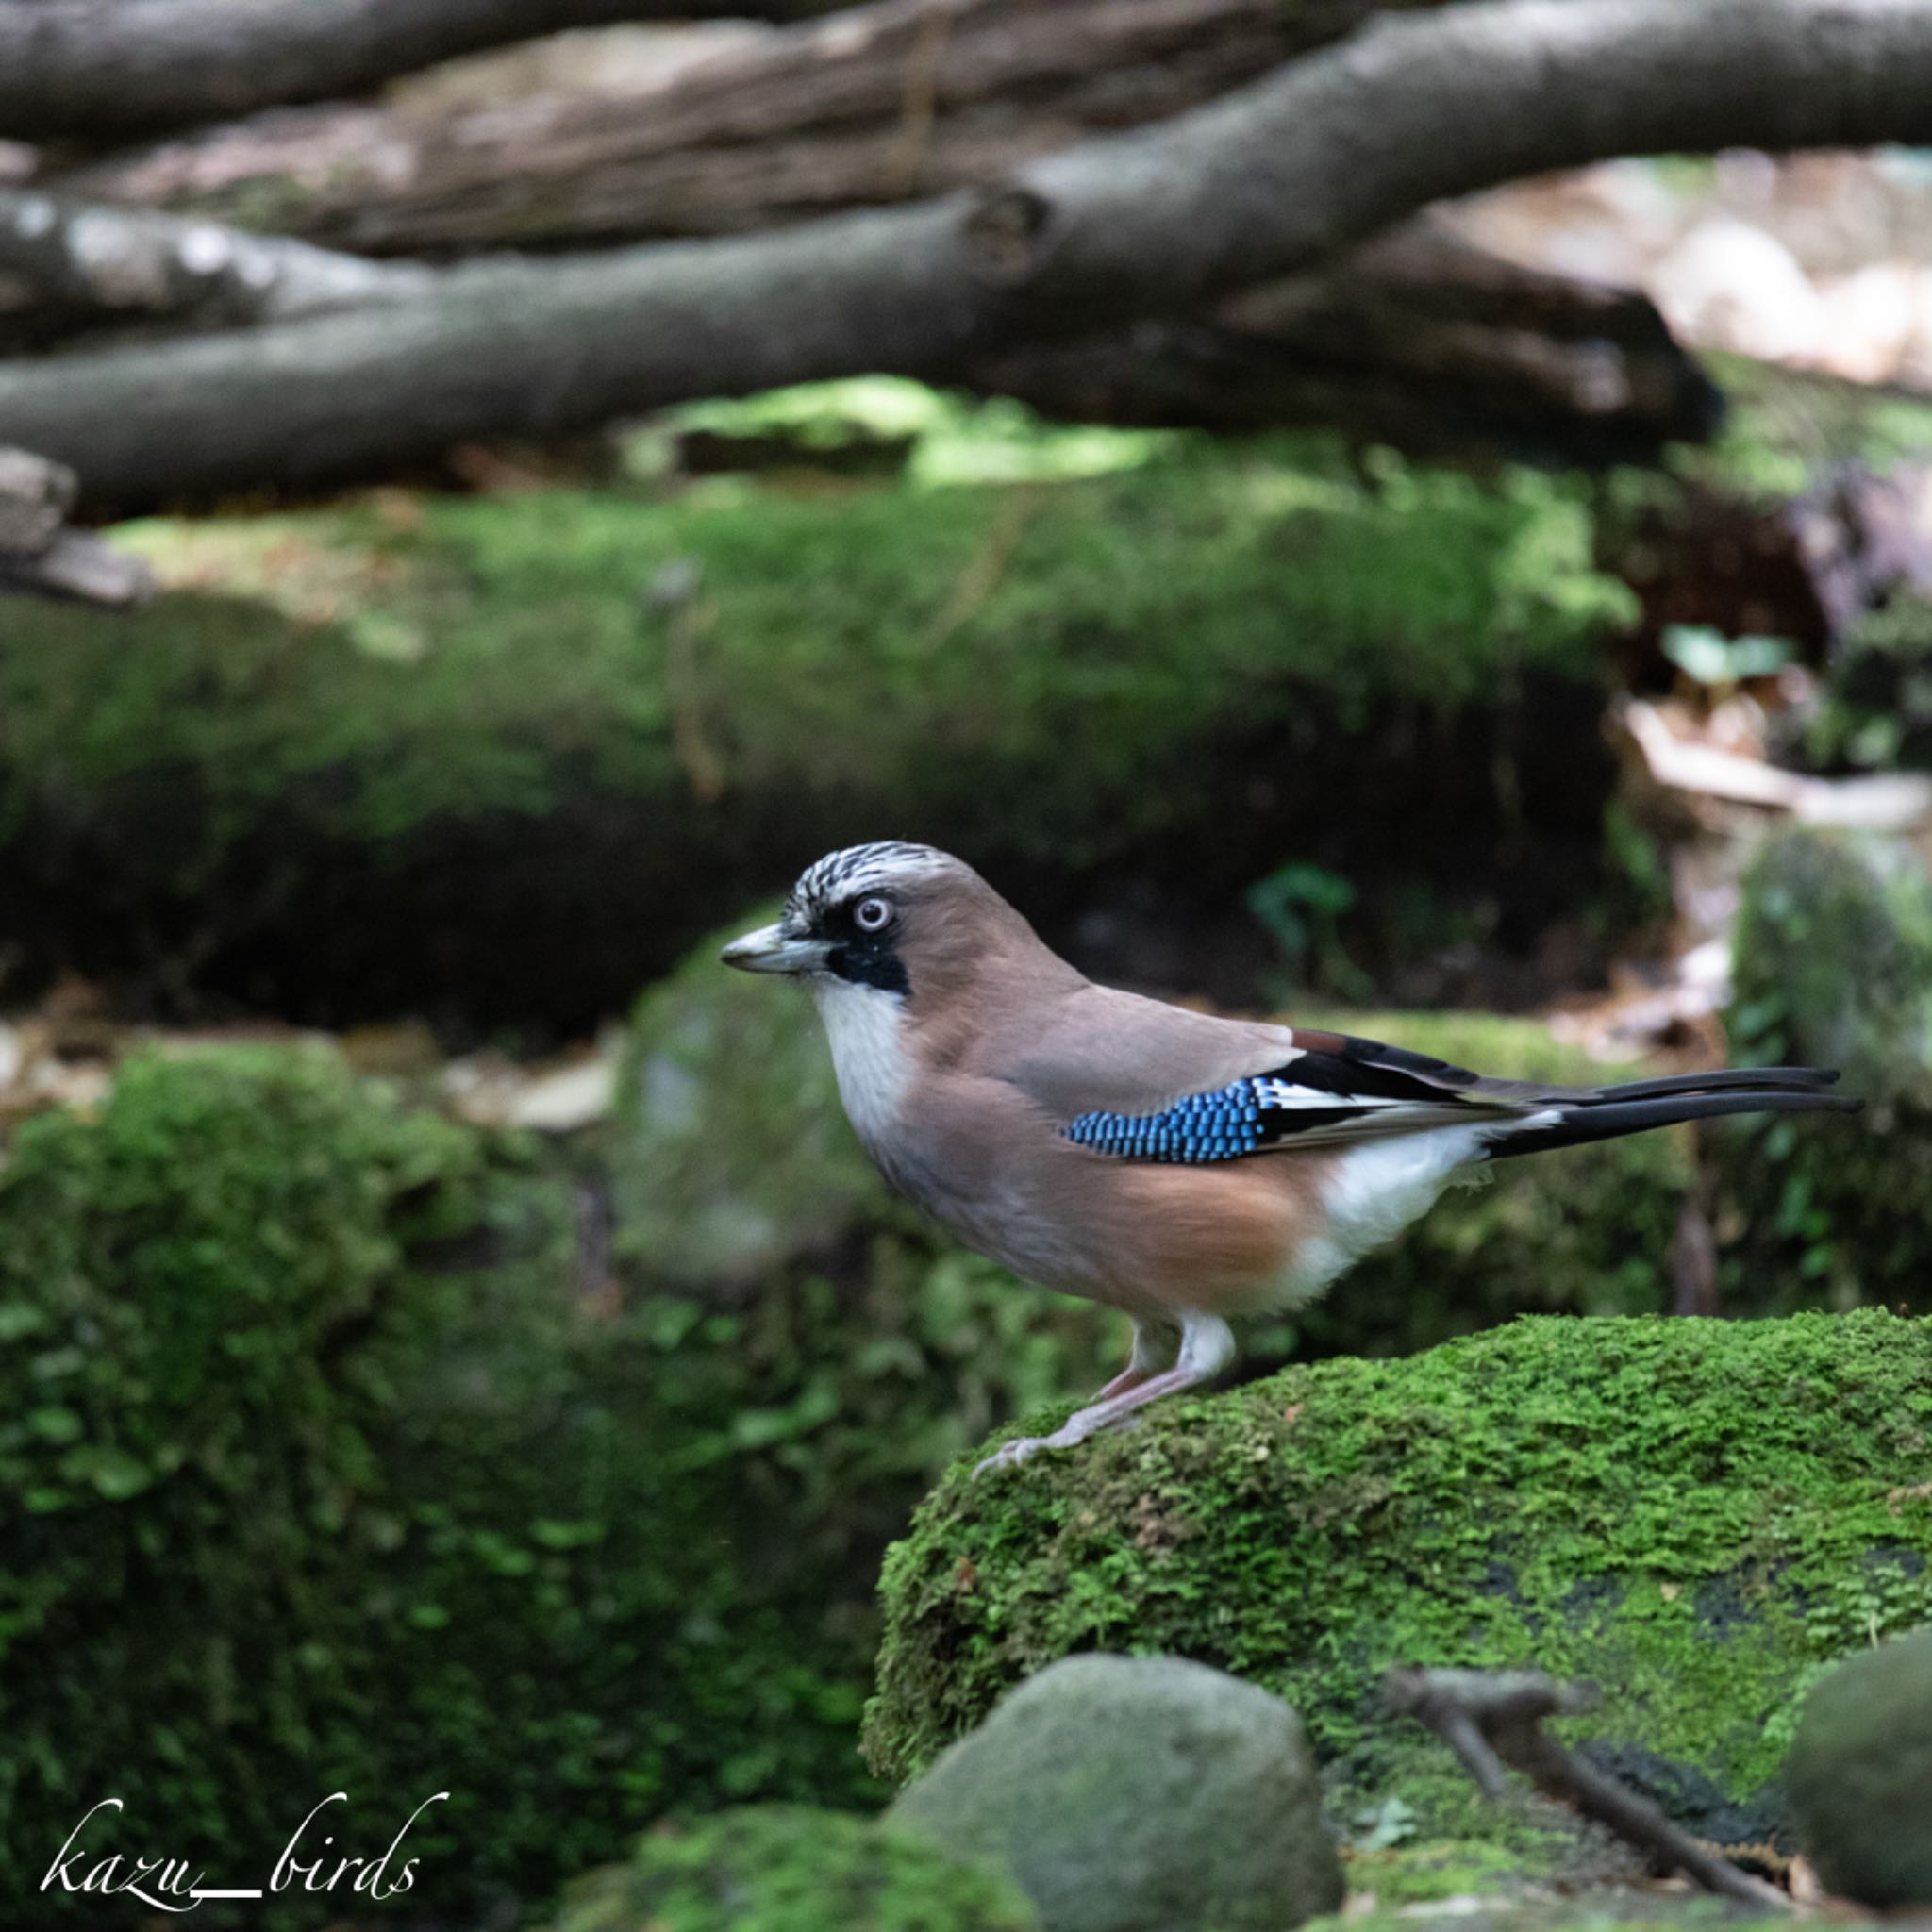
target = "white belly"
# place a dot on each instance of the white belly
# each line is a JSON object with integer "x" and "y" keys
{"x": 1375, "y": 1191}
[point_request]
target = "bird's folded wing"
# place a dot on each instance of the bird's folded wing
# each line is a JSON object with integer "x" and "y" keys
{"x": 1140, "y": 1080}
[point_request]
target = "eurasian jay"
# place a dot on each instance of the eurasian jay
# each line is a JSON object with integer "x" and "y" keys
{"x": 1177, "y": 1166}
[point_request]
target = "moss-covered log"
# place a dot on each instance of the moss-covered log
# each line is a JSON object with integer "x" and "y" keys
{"x": 1697, "y": 1515}
{"x": 486, "y": 757}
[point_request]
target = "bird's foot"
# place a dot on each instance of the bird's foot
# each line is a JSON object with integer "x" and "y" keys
{"x": 1011, "y": 1455}
{"x": 1023, "y": 1448}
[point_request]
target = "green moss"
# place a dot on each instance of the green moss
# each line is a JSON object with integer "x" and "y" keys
{"x": 1783, "y": 427}
{"x": 785, "y": 1869}
{"x": 451, "y": 723}
{"x": 318, "y": 1472}
{"x": 1692, "y": 1513}
{"x": 1833, "y": 968}
{"x": 1876, "y": 708}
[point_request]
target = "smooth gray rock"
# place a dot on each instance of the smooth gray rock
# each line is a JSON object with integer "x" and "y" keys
{"x": 1860, "y": 1775}
{"x": 729, "y": 1151}
{"x": 1139, "y": 1795}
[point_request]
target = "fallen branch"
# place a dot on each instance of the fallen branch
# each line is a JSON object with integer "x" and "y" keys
{"x": 38, "y": 553}
{"x": 106, "y": 258}
{"x": 881, "y": 104}
{"x": 1262, "y": 183}
{"x": 1491, "y": 1718}
{"x": 91, "y": 70}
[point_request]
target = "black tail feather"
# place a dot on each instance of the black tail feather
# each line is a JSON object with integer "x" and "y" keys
{"x": 1759, "y": 1079}
{"x": 1631, "y": 1110}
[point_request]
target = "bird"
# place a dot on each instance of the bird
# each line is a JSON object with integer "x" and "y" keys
{"x": 1184, "y": 1168}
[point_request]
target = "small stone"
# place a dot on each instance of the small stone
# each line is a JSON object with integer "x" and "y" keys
{"x": 1139, "y": 1795}
{"x": 1860, "y": 1775}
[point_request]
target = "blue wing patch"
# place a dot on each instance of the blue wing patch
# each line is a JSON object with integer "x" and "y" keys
{"x": 1241, "y": 1118}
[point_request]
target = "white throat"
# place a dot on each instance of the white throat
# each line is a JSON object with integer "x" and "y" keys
{"x": 863, "y": 1024}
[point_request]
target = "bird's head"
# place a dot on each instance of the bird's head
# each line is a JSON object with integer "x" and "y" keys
{"x": 888, "y": 917}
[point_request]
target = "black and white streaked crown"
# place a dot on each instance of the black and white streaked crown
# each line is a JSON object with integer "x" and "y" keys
{"x": 842, "y": 875}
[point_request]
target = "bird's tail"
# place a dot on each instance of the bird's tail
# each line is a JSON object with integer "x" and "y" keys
{"x": 1606, "y": 1112}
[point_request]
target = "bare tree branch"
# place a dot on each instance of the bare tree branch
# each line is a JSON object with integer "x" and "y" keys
{"x": 883, "y": 103}
{"x": 92, "y": 70}
{"x": 1264, "y": 182}
{"x": 128, "y": 260}
{"x": 1489, "y": 1718}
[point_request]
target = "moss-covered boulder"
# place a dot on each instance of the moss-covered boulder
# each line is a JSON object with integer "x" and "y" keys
{"x": 319, "y": 1470}
{"x": 1860, "y": 1775}
{"x": 359, "y": 758}
{"x": 777, "y": 1867}
{"x": 1833, "y": 968}
{"x": 1139, "y": 1795}
{"x": 1697, "y": 1515}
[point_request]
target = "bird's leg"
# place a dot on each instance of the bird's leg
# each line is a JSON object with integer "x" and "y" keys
{"x": 1206, "y": 1348}
{"x": 1150, "y": 1351}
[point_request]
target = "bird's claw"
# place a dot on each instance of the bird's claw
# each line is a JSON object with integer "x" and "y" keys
{"x": 1011, "y": 1455}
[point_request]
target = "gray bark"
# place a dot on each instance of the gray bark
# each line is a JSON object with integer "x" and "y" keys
{"x": 89, "y": 259}
{"x": 94, "y": 70}
{"x": 1263, "y": 183}
{"x": 884, "y": 102}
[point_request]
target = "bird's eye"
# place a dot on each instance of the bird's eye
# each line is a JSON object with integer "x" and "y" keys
{"x": 872, "y": 915}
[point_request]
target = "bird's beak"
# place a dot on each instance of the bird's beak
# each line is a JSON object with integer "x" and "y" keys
{"x": 771, "y": 949}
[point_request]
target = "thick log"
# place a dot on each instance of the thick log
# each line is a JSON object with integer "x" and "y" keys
{"x": 1266, "y": 182}
{"x": 882, "y": 104}
{"x": 92, "y": 70}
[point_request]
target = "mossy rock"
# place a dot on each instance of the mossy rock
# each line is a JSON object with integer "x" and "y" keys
{"x": 474, "y": 756}
{"x": 318, "y": 1472}
{"x": 1833, "y": 968}
{"x": 1860, "y": 1771}
{"x": 1139, "y": 1795}
{"x": 1696, "y": 1515}
{"x": 778, "y": 1868}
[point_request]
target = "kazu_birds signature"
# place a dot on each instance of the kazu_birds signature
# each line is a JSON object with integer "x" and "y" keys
{"x": 1183, "y": 1167}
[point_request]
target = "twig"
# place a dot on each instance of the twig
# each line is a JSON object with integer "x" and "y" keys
{"x": 1491, "y": 1718}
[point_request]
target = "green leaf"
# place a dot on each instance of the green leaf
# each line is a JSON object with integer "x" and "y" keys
{"x": 53, "y": 1423}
